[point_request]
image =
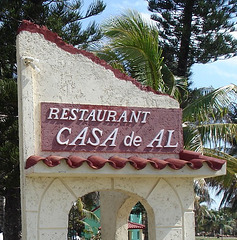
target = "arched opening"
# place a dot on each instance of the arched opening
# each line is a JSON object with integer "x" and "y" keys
{"x": 138, "y": 223}
{"x": 118, "y": 213}
{"x": 84, "y": 218}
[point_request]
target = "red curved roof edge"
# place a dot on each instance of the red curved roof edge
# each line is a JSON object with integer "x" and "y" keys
{"x": 192, "y": 159}
{"x": 53, "y": 37}
{"x": 133, "y": 225}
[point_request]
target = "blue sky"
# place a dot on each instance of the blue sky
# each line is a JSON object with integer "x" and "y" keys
{"x": 215, "y": 74}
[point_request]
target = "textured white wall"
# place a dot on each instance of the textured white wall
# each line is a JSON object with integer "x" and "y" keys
{"x": 70, "y": 78}
{"x": 169, "y": 204}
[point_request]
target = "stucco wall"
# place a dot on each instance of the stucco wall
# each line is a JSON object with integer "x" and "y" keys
{"x": 69, "y": 78}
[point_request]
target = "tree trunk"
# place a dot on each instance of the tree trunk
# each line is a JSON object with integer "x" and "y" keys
{"x": 185, "y": 40}
{"x": 2, "y": 207}
{"x": 12, "y": 223}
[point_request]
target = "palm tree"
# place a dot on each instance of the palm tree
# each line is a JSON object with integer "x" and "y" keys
{"x": 215, "y": 222}
{"x": 228, "y": 187}
{"x": 132, "y": 46}
{"x": 76, "y": 219}
{"x": 208, "y": 129}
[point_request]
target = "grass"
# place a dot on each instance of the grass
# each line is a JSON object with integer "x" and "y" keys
{"x": 215, "y": 238}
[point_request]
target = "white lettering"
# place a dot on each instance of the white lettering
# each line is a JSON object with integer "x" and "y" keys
{"x": 123, "y": 116}
{"x": 53, "y": 111}
{"x": 98, "y": 115}
{"x": 157, "y": 139}
{"x": 169, "y": 140}
{"x": 83, "y": 111}
{"x": 128, "y": 140}
{"x": 59, "y": 134}
{"x": 74, "y": 116}
{"x": 137, "y": 141}
{"x": 111, "y": 137}
{"x": 97, "y": 140}
{"x": 111, "y": 114}
{"x": 81, "y": 136}
{"x": 91, "y": 115}
{"x": 131, "y": 140}
{"x": 134, "y": 116}
{"x": 64, "y": 115}
{"x": 145, "y": 116}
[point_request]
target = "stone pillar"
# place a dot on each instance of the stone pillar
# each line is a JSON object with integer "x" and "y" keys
{"x": 110, "y": 202}
{"x": 122, "y": 217}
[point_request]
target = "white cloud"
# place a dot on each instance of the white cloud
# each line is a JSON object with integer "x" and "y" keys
{"x": 223, "y": 72}
{"x": 147, "y": 17}
{"x": 139, "y": 4}
{"x": 215, "y": 74}
{"x": 120, "y": 6}
{"x": 230, "y": 62}
{"x": 234, "y": 34}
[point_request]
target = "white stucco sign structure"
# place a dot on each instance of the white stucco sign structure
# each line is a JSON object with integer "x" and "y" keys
{"x": 86, "y": 127}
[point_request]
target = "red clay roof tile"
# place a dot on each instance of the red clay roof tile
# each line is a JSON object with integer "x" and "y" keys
{"x": 133, "y": 225}
{"x": 192, "y": 159}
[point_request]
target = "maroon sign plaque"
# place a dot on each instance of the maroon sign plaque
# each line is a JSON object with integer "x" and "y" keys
{"x": 94, "y": 128}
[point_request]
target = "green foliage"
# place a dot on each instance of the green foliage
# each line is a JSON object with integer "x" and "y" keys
{"x": 207, "y": 117}
{"x": 9, "y": 157}
{"x": 8, "y": 98}
{"x": 209, "y": 128}
{"x": 77, "y": 216}
{"x": 127, "y": 40}
{"x": 132, "y": 45}
{"x": 226, "y": 185}
{"x": 211, "y": 222}
{"x": 194, "y": 31}
{"x": 63, "y": 17}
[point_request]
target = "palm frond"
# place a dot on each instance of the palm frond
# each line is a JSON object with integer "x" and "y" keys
{"x": 79, "y": 205}
{"x": 230, "y": 195}
{"x": 227, "y": 184}
{"x": 231, "y": 166}
{"x": 135, "y": 39}
{"x": 174, "y": 86}
{"x": 211, "y": 105}
{"x": 218, "y": 134}
{"x": 87, "y": 227}
{"x": 202, "y": 191}
{"x": 90, "y": 215}
{"x": 192, "y": 138}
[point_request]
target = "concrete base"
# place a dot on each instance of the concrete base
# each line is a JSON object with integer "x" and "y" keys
{"x": 169, "y": 207}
